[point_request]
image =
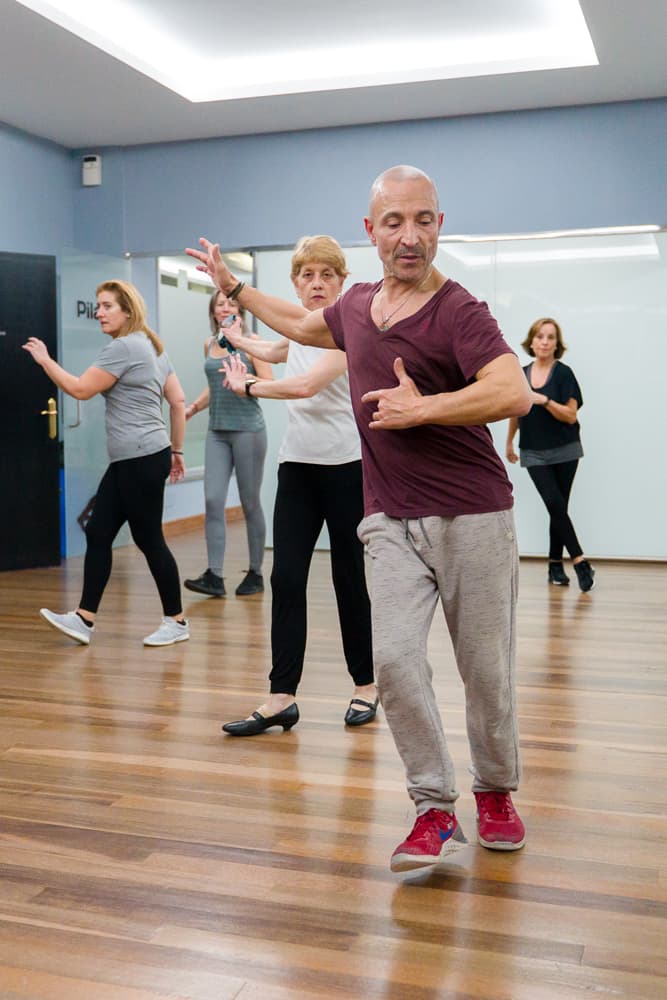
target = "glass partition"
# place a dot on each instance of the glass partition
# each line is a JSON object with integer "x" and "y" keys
{"x": 82, "y": 422}
{"x": 183, "y": 298}
{"x": 609, "y": 293}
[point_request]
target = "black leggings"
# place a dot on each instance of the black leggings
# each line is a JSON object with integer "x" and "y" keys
{"x": 308, "y": 496}
{"x": 554, "y": 484}
{"x": 131, "y": 490}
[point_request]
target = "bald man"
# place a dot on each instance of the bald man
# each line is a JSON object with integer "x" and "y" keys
{"x": 428, "y": 369}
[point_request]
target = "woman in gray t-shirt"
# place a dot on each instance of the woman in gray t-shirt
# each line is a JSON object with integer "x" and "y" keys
{"x": 134, "y": 375}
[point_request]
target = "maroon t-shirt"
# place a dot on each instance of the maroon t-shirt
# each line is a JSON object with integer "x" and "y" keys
{"x": 431, "y": 469}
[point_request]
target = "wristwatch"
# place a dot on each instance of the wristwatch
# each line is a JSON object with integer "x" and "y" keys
{"x": 248, "y": 383}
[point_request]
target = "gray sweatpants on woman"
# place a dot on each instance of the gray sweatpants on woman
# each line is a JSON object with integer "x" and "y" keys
{"x": 244, "y": 453}
{"x": 469, "y": 563}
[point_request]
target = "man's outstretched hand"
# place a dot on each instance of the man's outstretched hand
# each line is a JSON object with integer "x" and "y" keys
{"x": 211, "y": 263}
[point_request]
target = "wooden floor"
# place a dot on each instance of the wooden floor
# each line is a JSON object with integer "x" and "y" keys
{"x": 144, "y": 855}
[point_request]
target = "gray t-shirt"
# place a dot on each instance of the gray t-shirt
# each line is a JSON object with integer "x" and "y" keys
{"x": 135, "y": 423}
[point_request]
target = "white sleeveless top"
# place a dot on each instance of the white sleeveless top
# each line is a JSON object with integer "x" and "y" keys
{"x": 320, "y": 430}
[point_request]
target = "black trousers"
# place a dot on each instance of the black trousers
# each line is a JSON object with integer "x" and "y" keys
{"x": 131, "y": 490}
{"x": 309, "y": 496}
{"x": 554, "y": 484}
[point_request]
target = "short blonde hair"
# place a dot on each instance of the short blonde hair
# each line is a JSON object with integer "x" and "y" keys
{"x": 130, "y": 300}
{"x": 320, "y": 250}
{"x": 527, "y": 344}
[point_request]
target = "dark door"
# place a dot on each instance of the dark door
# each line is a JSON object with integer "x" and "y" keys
{"x": 29, "y": 456}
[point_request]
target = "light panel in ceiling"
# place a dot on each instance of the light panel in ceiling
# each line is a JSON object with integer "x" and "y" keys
{"x": 409, "y": 50}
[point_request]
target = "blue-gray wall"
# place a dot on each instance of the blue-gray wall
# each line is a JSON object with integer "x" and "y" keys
{"x": 37, "y": 182}
{"x": 578, "y": 167}
{"x": 598, "y": 165}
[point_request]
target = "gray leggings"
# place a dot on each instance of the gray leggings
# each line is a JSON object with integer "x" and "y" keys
{"x": 469, "y": 563}
{"x": 244, "y": 453}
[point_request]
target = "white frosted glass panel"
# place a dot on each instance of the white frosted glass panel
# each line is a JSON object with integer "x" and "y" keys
{"x": 184, "y": 328}
{"x": 272, "y": 275}
{"x": 609, "y": 295}
{"x": 83, "y": 432}
{"x": 471, "y": 264}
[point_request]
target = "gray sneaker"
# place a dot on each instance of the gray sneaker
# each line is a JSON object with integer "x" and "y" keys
{"x": 70, "y": 624}
{"x": 169, "y": 632}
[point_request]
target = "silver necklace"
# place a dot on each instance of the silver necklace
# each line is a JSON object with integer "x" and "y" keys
{"x": 384, "y": 320}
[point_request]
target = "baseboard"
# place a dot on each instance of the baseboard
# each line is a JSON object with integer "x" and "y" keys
{"x": 233, "y": 514}
{"x": 640, "y": 560}
{"x": 183, "y": 525}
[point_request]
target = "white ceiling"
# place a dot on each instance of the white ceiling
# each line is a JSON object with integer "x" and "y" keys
{"x": 59, "y": 86}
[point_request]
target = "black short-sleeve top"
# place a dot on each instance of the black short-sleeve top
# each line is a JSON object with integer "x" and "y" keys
{"x": 539, "y": 431}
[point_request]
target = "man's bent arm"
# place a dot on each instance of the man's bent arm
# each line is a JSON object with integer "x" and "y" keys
{"x": 287, "y": 318}
{"x": 500, "y": 390}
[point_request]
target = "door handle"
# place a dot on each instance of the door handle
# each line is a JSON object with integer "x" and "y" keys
{"x": 51, "y": 412}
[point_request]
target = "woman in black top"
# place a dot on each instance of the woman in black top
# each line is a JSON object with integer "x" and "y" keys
{"x": 550, "y": 444}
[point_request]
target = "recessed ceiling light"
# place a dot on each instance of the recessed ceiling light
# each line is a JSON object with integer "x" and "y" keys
{"x": 555, "y": 37}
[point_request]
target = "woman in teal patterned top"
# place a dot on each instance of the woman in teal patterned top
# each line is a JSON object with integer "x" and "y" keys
{"x": 235, "y": 442}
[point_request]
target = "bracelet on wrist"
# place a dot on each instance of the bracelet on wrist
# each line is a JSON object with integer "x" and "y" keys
{"x": 236, "y": 291}
{"x": 176, "y": 452}
{"x": 248, "y": 383}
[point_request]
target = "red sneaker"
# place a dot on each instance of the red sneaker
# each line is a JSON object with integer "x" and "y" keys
{"x": 434, "y": 835}
{"x": 499, "y": 826}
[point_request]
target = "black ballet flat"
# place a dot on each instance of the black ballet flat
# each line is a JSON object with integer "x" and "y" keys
{"x": 258, "y": 723}
{"x": 359, "y": 717}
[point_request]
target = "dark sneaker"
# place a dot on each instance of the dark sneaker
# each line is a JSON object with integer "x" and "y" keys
{"x": 557, "y": 574}
{"x": 585, "y": 575}
{"x": 208, "y": 583}
{"x": 434, "y": 835}
{"x": 252, "y": 583}
{"x": 499, "y": 826}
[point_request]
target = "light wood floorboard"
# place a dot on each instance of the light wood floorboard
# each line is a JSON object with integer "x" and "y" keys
{"x": 143, "y": 855}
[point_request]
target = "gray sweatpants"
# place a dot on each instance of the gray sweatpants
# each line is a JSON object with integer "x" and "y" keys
{"x": 244, "y": 453}
{"x": 470, "y": 563}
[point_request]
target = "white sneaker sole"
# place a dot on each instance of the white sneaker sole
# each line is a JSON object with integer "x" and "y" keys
{"x": 166, "y": 642}
{"x": 81, "y": 638}
{"x": 499, "y": 845}
{"x": 412, "y": 862}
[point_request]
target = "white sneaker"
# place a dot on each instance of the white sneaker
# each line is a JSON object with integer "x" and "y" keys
{"x": 70, "y": 624}
{"x": 169, "y": 632}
